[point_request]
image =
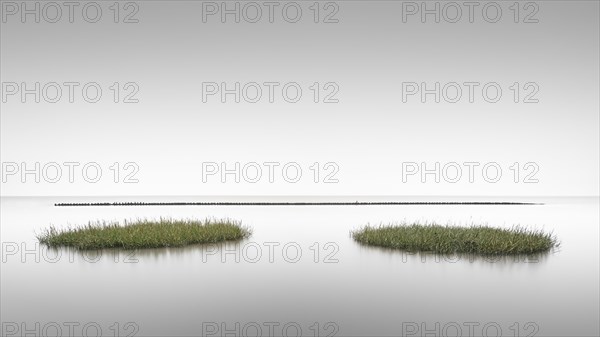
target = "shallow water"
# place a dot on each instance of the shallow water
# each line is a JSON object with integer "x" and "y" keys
{"x": 300, "y": 271}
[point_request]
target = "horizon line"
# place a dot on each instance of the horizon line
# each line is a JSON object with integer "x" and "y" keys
{"x": 341, "y": 203}
{"x": 304, "y": 196}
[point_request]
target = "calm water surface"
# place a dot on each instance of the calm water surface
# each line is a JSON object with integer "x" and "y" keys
{"x": 300, "y": 273}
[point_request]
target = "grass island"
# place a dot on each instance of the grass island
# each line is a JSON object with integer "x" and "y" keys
{"x": 480, "y": 240}
{"x": 140, "y": 234}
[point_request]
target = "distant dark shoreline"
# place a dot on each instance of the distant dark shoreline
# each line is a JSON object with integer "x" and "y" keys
{"x": 390, "y": 203}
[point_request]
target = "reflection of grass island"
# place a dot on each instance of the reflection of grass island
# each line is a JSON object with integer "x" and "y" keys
{"x": 434, "y": 238}
{"x": 145, "y": 234}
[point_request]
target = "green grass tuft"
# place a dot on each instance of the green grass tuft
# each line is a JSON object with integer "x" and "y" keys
{"x": 144, "y": 234}
{"x": 481, "y": 240}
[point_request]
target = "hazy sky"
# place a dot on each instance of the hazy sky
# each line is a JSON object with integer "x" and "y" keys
{"x": 370, "y": 121}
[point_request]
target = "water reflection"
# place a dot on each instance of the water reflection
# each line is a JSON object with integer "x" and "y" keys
{"x": 134, "y": 255}
{"x": 477, "y": 259}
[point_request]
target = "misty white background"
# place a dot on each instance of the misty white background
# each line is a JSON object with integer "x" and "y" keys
{"x": 368, "y": 134}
